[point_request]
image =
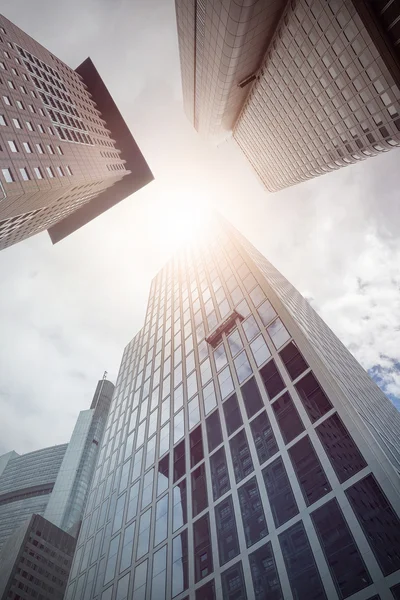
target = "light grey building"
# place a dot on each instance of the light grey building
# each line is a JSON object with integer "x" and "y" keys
{"x": 304, "y": 86}
{"x": 247, "y": 455}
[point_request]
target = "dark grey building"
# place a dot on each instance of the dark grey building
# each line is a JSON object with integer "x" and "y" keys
{"x": 247, "y": 455}
{"x": 305, "y": 86}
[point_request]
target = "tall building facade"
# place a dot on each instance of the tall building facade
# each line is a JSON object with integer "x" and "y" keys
{"x": 66, "y": 154}
{"x": 54, "y": 482}
{"x": 306, "y": 86}
{"x": 247, "y": 455}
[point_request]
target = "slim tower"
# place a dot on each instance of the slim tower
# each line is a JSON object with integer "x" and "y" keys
{"x": 247, "y": 454}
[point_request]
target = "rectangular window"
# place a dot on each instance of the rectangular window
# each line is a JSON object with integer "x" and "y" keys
{"x": 233, "y": 417}
{"x": 199, "y": 490}
{"x": 119, "y": 513}
{"x": 264, "y": 438}
{"x": 24, "y": 173}
{"x": 203, "y": 562}
{"x": 272, "y": 380}
{"x": 313, "y": 397}
{"x": 60, "y": 171}
{"x": 180, "y": 560}
{"x": 233, "y": 583}
{"x": 193, "y": 412}
{"x": 214, "y": 433}
{"x": 196, "y": 446}
{"x": 132, "y": 502}
{"x": 235, "y": 343}
{"x": 127, "y": 547}
{"x": 144, "y": 534}
{"x": 228, "y": 544}
{"x": 287, "y": 417}
{"x": 220, "y": 357}
{"x": 3, "y": 121}
{"x": 163, "y": 475}
{"x": 147, "y": 493}
{"x": 241, "y": 457}
{"x": 225, "y": 383}
{"x": 378, "y": 520}
{"x": 345, "y": 562}
{"x": 265, "y": 574}
{"x": 280, "y": 494}
{"x": 161, "y": 524}
{"x": 260, "y": 350}
{"x": 38, "y": 172}
{"x": 219, "y": 474}
{"x": 251, "y": 397}
{"x": 140, "y": 584}
{"x": 206, "y": 591}
{"x": 27, "y": 147}
{"x": 69, "y": 170}
{"x": 209, "y": 398}
{"x": 13, "y": 146}
{"x": 6, "y": 100}
{"x": 112, "y": 559}
{"x": 345, "y": 457}
{"x": 254, "y": 523}
{"x": 310, "y": 474}
{"x": 266, "y": 312}
{"x": 293, "y": 360}
{"x": 8, "y": 176}
{"x": 17, "y": 123}
{"x": 278, "y": 333}
{"x": 179, "y": 426}
{"x": 179, "y": 509}
{"x": 179, "y": 461}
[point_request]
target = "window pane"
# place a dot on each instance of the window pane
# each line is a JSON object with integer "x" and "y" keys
{"x": 196, "y": 446}
{"x": 254, "y": 524}
{"x": 302, "y": 571}
{"x": 233, "y": 417}
{"x": 180, "y": 561}
{"x": 140, "y": 584}
{"x": 161, "y": 524}
{"x": 235, "y": 343}
{"x": 264, "y": 574}
{"x": 293, "y": 360}
{"x": 214, "y": 433}
{"x": 127, "y": 547}
{"x": 147, "y": 493}
{"x": 206, "y": 591}
{"x": 144, "y": 534}
{"x": 233, "y": 584}
{"x": 179, "y": 461}
{"x": 266, "y": 312}
{"x": 159, "y": 574}
{"x": 379, "y": 522}
{"x": 209, "y": 398}
{"x": 225, "y": 382}
{"x": 203, "y": 562}
{"x": 343, "y": 453}
{"x": 163, "y": 475}
{"x": 280, "y": 495}
{"x": 314, "y": 399}
{"x": 112, "y": 559}
{"x": 199, "y": 490}
{"x": 264, "y": 439}
{"x": 219, "y": 474}
{"x": 278, "y": 333}
{"x": 228, "y": 544}
{"x": 272, "y": 379}
{"x": 251, "y": 397}
{"x": 220, "y": 357}
{"x": 287, "y": 417}
{"x": 250, "y": 328}
{"x": 260, "y": 350}
{"x": 193, "y": 412}
{"x": 343, "y": 557}
{"x": 179, "y": 509}
{"x": 241, "y": 458}
{"x": 310, "y": 474}
{"x": 242, "y": 366}
{"x": 119, "y": 513}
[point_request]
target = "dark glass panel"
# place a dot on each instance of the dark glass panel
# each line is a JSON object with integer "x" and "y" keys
{"x": 272, "y": 380}
{"x": 179, "y": 461}
{"x": 233, "y": 418}
{"x": 313, "y": 397}
{"x": 293, "y": 360}
{"x": 280, "y": 495}
{"x": 203, "y": 561}
{"x": 302, "y": 571}
{"x": 196, "y": 446}
{"x": 199, "y": 490}
{"x": 241, "y": 457}
{"x": 264, "y": 439}
{"x": 219, "y": 474}
{"x": 228, "y": 543}
{"x": 254, "y": 524}
{"x": 312, "y": 479}
{"x": 347, "y": 567}
{"x": 214, "y": 433}
{"x": 180, "y": 559}
{"x": 179, "y": 509}
{"x": 380, "y": 523}
{"x": 206, "y": 592}
{"x": 264, "y": 574}
{"x": 163, "y": 475}
{"x": 233, "y": 583}
{"x": 288, "y": 418}
{"x": 343, "y": 453}
{"x": 395, "y": 591}
{"x": 251, "y": 397}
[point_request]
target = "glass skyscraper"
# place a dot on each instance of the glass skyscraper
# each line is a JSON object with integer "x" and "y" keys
{"x": 247, "y": 455}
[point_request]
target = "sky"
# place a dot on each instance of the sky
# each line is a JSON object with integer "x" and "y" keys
{"x": 67, "y": 311}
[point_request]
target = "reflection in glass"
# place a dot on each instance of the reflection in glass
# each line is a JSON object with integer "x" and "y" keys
{"x": 214, "y": 433}
{"x": 193, "y": 412}
{"x": 251, "y": 397}
{"x": 225, "y": 382}
{"x": 112, "y": 559}
{"x": 219, "y": 474}
{"x": 180, "y": 561}
{"x": 199, "y": 490}
{"x": 179, "y": 461}
{"x": 242, "y": 366}
{"x": 163, "y": 475}
{"x": 122, "y": 588}
{"x": 228, "y": 543}
{"x": 220, "y": 357}
{"x": 179, "y": 426}
{"x": 287, "y": 417}
{"x": 164, "y": 440}
{"x": 203, "y": 560}
{"x": 233, "y": 417}
{"x": 196, "y": 446}
{"x": 241, "y": 457}
{"x": 210, "y": 400}
{"x": 140, "y": 584}
{"x": 179, "y": 510}
{"x": 144, "y": 534}
{"x": 127, "y": 547}
{"x": 161, "y": 524}
{"x": 159, "y": 574}
{"x": 233, "y": 583}
{"x": 264, "y": 438}
{"x": 310, "y": 474}
{"x": 280, "y": 494}
{"x": 264, "y": 574}
{"x": 254, "y": 523}
{"x": 147, "y": 493}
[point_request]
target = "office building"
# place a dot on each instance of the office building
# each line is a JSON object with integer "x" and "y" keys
{"x": 246, "y": 455}
{"x": 66, "y": 153}
{"x": 53, "y": 482}
{"x": 305, "y": 86}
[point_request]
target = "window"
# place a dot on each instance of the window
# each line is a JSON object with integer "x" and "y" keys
{"x": 214, "y": 433}
{"x": 119, "y": 513}
{"x": 179, "y": 426}
{"x": 242, "y": 366}
{"x": 203, "y": 562}
{"x": 287, "y": 417}
{"x": 378, "y": 520}
{"x": 196, "y": 446}
{"x": 112, "y": 559}
{"x": 264, "y": 574}
{"x": 310, "y": 474}
{"x": 41, "y": 128}
{"x": 147, "y": 493}
{"x": 302, "y": 571}
{"x": 250, "y": 328}
{"x": 3, "y": 121}
{"x": 59, "y": 150}
{"x": 225, "y": 383}
{"x": 69, "y": 170}
{"x": 314, "y": 399}
{"x": 293, "y": 360}
{"x": 254, "y": 524}
{"x": 345, "y": 457}
{"x": 180, "y": 560}
{"x": 260, "y": 350}
{"x": 17, "y": 123}
{"x": 233, "y": 584}
{"x": 278, "y": 333}
{"x": 144, "y": 534}
{"x": 228, "y": 544}
{"x": 24, "y": 173}
{"x": 8, "y": 176}
{"x": 280, "y": 494}
{"x": 140, "y": 583}
{"x": 266, "y": 312}
{"x": 219, "y": 474}
{"x": 220, "y": 357}
{"x": 60, "y": 171}
{"x": 179, "y": 461}
{"x": 31, "y": 108}
{"x": 264, "y": 439}
{"x": 132, "y": 501}
{"x": 233, "y": 417}
{"x": 272, "y": 380}
{"x": 179, "y": 509}
{"x": 50, "y": 149}
{"x": 161, "y": 524}
{"x": 40, "y": 148}
{"x": 163, "y": 475}
{"x": 38, "y": 172}
{"x": 206, "y": 591}
{"x": 13, "y": 146}
{"x": 7, "y": 100}
{"x": 345, "y": 562}
{"x": 241, "y": 457}
{"x": 199, "y": 490}
{"x": 11, "y": 85}
{"x": 251, "y": 397}
{"x": 235, "y": 343}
